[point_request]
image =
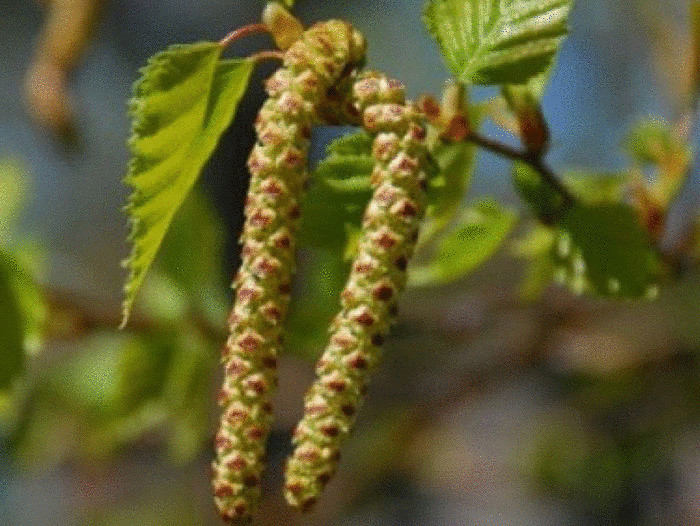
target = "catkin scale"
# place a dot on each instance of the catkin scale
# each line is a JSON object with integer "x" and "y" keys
{"x": 278, "y": 168}
{"x": 369, "y": 299}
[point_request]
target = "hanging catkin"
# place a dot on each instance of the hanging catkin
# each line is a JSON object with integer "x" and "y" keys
{"x": 369, "y": 300}
{"x": 278, "y": 167}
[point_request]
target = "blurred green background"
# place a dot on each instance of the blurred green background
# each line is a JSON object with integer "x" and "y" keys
{"x": 488, "y": 409}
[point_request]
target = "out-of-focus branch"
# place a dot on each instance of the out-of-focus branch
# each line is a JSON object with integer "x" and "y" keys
{"x": 535, "y": 161}
{"x": 67, "y": 32}
{"x": 72, "y": 317}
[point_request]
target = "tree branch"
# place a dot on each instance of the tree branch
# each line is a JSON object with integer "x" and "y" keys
{"x": 453, "y": 122}
{"x": 535, "y": 161}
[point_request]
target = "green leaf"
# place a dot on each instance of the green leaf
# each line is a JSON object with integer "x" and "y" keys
{"x": 111, "y": 374}
{"x": 346, "y": 174}
{"x": 183, "y": 102}
{"x": 329, "y": 214}
{"x": 341, "y": 189}
{"x": 450, "y": 179}
{"x": 498, "y": 41}
{"x": 603, "y": 249}
{"x": 315, "y": 302}
{"x": 480, "y": 233}
{"x": 31, "y": 302}
{"x": 545, "y": 202}
{"x": 651, "y": 141}
{"x": 339, "y": 193}
{"x": 348, "y": 164}
{"x": 187, "y": 391}
{"x": 334, "y": 205}
{"x": 656, "y": 143}
{"x": 20, "y": 258}
{"x": 358, "y": 143}
{"x": 596, "y": 246}
{"x": 548, "y": 205}
{"x": 597, "y": 188}
{"x": 332, "y": 213}
{"x": 535, "y": 246}
{"x": 163, "y": 301}
{"x": 191, "y": 256}
{"x": 13, "y": 190}
{"x": 115, "y": 387}
{"x": 531, "y": 91}
{"x": 11, "y": 326}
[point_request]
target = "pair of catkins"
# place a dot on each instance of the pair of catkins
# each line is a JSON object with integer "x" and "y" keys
{"x": 320, "y": 77}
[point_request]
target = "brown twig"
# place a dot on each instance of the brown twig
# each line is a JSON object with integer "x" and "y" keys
{"x": 72, "y": 316}
{"x": 534, "y": 161}
{"x": 267, "y": 55}
{"x": 244, "y": 31}
{"x": 455, "y": 126}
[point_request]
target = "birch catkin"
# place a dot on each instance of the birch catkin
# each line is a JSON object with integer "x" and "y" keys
{"x": 369, "y": 300}
{"x": 278, "y": 167}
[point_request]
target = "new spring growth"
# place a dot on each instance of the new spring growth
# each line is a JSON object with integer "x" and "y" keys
{"x": 278, "y": 167}
{"x": 369, "y": 300}
{"x": 282, "y": 25}
{"x": 450, "y": 118}
{"x": 533, "y": 128}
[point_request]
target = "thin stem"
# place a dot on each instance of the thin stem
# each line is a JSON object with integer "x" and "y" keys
{"x": 535, "y": 161}
{"x": 267, "y": 55}
{"x": 244, "y": 31}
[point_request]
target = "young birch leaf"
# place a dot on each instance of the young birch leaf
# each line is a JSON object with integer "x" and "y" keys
{"x": 546, "y": 203}
{"x": 498, "y": 41}
{"x": 335, "y": 203}
{"x": 348, "y": 164}
{"x": 595, "y": 247}
{"x": 454, "y": 169}
{"x": 535, "y": 247}
{"x": 347, "y": 173}
{"x": 339, "y": 192}
{"x": 651, "y": 142}
{"x": 482, "y": 230}
{"x": 184, "y": 101}
{"x": 341, "y": 189}
{"x": 191, "y": 257}
{"x": 656, "y": 143}
{"x": 358, "y": 143}
{"x": 602, "y": 249}
{"x": 31, "y": 301}
{"x": 597, "y": 188}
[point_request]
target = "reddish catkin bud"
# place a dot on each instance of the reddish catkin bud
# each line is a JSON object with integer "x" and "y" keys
{"x": 278, "y": 167}
{"x": 369, "y": 300}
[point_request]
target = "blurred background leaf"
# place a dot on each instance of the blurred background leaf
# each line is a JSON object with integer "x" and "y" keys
{"x": 11, "y": 325}
{"x": 656, "y": 143}
{"x": 13, "y": 190}
{"x": 475, "y": 237}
